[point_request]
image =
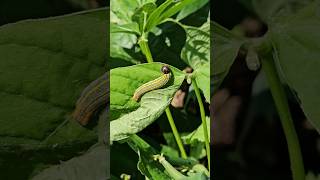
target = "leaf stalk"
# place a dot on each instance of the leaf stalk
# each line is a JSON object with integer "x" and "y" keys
{"x": 281, "y": 103}
{"x": 203, "y": 119}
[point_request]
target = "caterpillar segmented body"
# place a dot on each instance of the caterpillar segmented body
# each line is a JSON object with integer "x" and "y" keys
{"x": 93, "y": 97}
{"x": 154, "y": 84}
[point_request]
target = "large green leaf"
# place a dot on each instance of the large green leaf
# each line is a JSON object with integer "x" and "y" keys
{"x": 147, "y": 165}
{"x": 130, "y": 117}
{"x": 196, "y": 53}
{"x": 297, "y": 52}
{"x": 268, "y": 9}
{"x": 224, "y": 48}
{"x": 191, "y": 8}
{"x": 91, "y": 165}
{"x": 43, "y": 72}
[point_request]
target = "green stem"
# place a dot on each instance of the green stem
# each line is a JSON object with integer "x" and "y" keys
{"x": 281, "y": 103}
{"x": 143, "y": 43}
{"x": 203, "y": 119}
{"x": 146, "y": 50}
{"x": 176, "y": 134}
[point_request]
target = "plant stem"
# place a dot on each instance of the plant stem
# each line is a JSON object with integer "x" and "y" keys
{"x": 176, "y": 133}
{"x": 281, "y": 103}
{"x": 143, "y": 43}
{"x": 146, "y": 50}
{"x": 203, "y": 119}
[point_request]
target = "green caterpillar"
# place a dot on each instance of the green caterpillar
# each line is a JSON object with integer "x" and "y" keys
{"x": 154, "y": 84}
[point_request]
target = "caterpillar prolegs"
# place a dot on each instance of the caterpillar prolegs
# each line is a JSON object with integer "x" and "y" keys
{"x": 154, "y": 84}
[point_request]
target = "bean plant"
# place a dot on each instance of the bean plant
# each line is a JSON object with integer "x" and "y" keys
{"x": 147, "y": 35}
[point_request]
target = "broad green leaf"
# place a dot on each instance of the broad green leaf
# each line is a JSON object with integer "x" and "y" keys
{"x": 191, "y": 8}
{"x": 43, "y": 72}
{"x": 224, "y": 49}
{"x": 147, "y": 165}
{"x": 130, "y": 117}
{"x": 41, "y": 79}
{"x": 264, "y": 8}
{"x": 297, "y": 51}
{"x": 196, "y": 53}
{"x": 268, "y": 9}
{"x": 91, "y": 165}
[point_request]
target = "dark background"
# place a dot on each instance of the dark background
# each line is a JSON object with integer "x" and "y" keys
{"x": 15, "y": 10}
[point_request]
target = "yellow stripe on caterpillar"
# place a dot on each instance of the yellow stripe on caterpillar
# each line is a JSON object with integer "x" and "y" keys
{"x": 154, "y": 84}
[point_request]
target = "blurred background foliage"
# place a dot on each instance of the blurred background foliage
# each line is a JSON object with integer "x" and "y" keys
{"x": 249, "y": 142}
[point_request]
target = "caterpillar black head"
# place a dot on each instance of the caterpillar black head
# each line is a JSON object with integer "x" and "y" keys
{"x": 165, "y": 69}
